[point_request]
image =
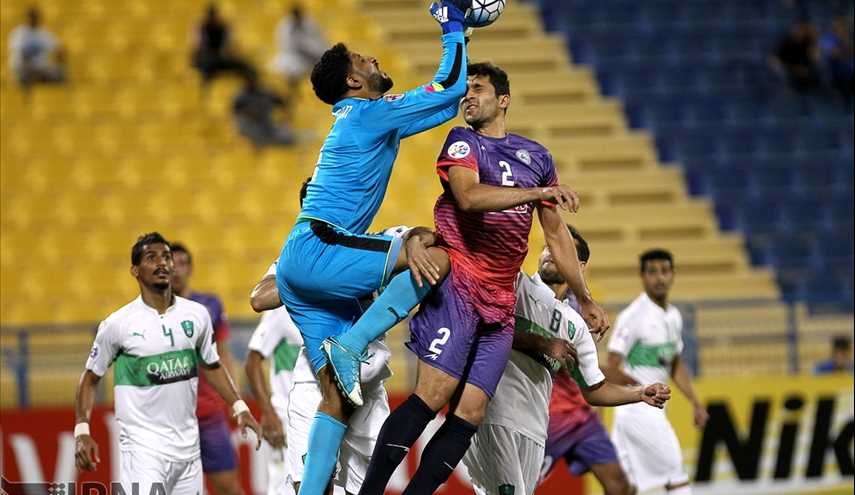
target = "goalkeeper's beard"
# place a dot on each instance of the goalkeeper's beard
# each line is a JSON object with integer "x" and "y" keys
{"x": 377, "y": 82}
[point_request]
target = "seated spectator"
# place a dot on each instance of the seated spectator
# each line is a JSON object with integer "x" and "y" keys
{"x": 836, "y": 52}
{"x": 299, "y": 44}
{"x": 796, "y": 56}
{"x": 35, "y": 54}
{"x": 214, "y": 52}
{"x": 841, "y": 357}
{"x": 253, "y": 112}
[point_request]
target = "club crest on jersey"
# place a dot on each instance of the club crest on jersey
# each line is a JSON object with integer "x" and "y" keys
{"x": 459, "y": 149}
{"x": 187, "y": 326}
{"x": 524, "y": 157}
{"x": 393, "y": 97}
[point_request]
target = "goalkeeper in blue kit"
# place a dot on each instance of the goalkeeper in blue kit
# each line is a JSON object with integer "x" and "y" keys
{"x": 328, "y": 263}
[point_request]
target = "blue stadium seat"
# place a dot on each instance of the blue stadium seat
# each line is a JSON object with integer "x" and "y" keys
{"x": 778, "y": 165}
{"x": 770, "y": 176}
{"x": 803, "y": 214}
{"x": 760, "y": 215}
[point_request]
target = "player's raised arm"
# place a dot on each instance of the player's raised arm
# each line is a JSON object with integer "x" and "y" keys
{"x": 416, "y": 110}
{"x": 564, "y": 252}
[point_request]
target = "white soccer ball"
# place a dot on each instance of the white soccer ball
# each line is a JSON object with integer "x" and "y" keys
{"x": 484, "y": 12}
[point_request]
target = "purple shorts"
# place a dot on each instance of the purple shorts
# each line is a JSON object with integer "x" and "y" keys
{"x": 447, "y": 333}
{"x": 215, "y": 442}
{"x": 581, "y": 447}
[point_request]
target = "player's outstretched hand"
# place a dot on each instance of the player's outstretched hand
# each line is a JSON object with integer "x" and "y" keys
{"x": 596, "y": 318}
{"x": 450, "y": 14}
{"x": 562, "y": 351}
{"x": 272, "y": 431}
{"x": 86, "y": 453}
{"x": 421, "y": 264}
{"x": 656, "y": 395}
{"x": 561, "y": 195}
{"x": 244, "y": 421}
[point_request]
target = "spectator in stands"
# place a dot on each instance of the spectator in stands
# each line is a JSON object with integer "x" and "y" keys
{"x": 841, "y": 357}
{"x": 253, "y": 110}
{"x": 214, "y": 51}
{"x": 836, "y": 52}
{"x": 35, "y": 54}
{"x": 796, "y": 56}
{"x": 299, "y": 44}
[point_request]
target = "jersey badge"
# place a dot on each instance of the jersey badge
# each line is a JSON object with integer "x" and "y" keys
{"x": 524, "y": 156}
{"x": 459, "y": 149}
{"x": 393, "y": 97}
{"x": 187, "y": 326}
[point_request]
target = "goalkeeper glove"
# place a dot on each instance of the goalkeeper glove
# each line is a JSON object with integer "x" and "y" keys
{"x": 449, "y": 15}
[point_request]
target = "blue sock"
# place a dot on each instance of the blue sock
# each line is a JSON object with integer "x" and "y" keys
{"x": 325, "y": 437}
{"x": 393, "y": 305}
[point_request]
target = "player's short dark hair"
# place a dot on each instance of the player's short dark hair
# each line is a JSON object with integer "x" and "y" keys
{"x": 177, "y": 247}
{"x": 655, "y": 254}
{"x": 142, "y": 241}
{"x": 841, "y": 343}
{"x": 582, "y": 249}
{"x": 498, "y": 77}
{"x": 304, "y": 189}
{"x": 329, "y": 76}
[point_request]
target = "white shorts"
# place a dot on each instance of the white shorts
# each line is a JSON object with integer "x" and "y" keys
{"x": 147, "y": 468}
{"x": 358, "y": 443}
{"x": 502, "y": 461}
{"x": 647, "y": 447}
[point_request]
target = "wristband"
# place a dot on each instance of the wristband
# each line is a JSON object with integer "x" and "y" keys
{"x": 239, "y": 407}
{"x": 81, "y": 429}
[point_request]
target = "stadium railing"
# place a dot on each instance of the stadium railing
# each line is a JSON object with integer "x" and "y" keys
{"x": 40, "y": 364}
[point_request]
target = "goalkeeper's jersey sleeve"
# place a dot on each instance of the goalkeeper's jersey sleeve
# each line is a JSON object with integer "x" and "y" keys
{"x": 356, "y": 159}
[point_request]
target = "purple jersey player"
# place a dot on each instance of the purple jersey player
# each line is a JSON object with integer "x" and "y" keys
{"x": 493, "y": 182}
{"x": 219, "y": 459}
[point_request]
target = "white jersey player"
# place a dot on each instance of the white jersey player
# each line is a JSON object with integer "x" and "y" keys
{"x": 276, "y": 337}
{"x": 157, "y": 343}
{"x": 507, "y": 452}
{"x": 297, "y": 415}
{"x": 645, "y": 348}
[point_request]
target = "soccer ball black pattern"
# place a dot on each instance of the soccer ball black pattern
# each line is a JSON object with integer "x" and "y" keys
{"x": 484, "y": 12}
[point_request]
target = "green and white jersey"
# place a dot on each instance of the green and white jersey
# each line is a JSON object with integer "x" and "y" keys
{"x": 521, "y": 401}
{"x": 155, "y": 359}
{"x": 649, "y": 338}
{"x": 276, "y": 335}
